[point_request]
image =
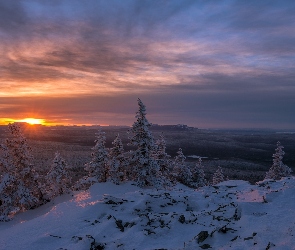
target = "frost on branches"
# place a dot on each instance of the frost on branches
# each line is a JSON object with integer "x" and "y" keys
{"x": 118, "y": 164}
{"x": 163, "y": 160}
{"x": 218, "y": 176}
{"x": 198, "y": 175}
{"x": 58, "y": 179}
{"x": 145, "y": 166}
{"x": 278, "y": 168}
{"x": 181, "y": 172}
{"x": 98, "y": 167}
{"x": 19, "y": 189}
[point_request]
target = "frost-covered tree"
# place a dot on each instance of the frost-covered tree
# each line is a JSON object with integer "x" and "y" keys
{"x": 117, "y": 162}
{"x": 278, "y": 168}
{"x": 146, "y": 168}
{"x": 8, "y": 204}
{"x": 164, "y": 160}
{"x": 181, "y": 172}
{"x": 161, "y": 156}
{"x": 58, "y": 179}
{"x": 218, "y": 176}
{"x": 97, "y": 169}
{"x": 198, "y": 175}
{"x": 5, "y": 166}
{"x": 19, "y": 182}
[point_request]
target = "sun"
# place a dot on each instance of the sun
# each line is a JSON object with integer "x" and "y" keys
{"x": 33, "y": 121}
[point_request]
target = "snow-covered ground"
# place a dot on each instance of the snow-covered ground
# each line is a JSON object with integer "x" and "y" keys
{"x": 231, "y": 215}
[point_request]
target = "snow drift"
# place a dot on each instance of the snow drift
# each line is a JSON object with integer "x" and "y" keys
{"x": 231, "y": 214}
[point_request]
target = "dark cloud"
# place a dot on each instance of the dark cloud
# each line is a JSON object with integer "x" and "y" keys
{"x": 205, "y": 110}
{"x": 12, "y": 16}
{"x": 191, "y": 60}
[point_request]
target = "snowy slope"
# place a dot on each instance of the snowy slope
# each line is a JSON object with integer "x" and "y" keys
{"x": 233, "y": 214}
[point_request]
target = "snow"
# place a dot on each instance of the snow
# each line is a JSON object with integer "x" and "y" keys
{"x": 197, "y": 157}
{"x": 231, "y": 214}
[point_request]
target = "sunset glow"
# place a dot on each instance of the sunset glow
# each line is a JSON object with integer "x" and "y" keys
{"x": 204, "y": 64}
{"x": 32, "y": 121}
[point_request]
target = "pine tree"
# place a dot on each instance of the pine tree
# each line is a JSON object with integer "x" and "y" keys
{"x": 181, "y": 172}
{"x": 278, "y": 168}
{"x": 58, "y": 179}
{"x": 117, "y": 162}
{"x": 19, "y": 181}
{"x": 145, "y": 167}
{"x": 218, "y": 176}
{"x": 198, "y": 175}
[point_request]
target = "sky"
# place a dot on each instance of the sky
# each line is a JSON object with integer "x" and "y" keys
{"x": 207, "y": 64}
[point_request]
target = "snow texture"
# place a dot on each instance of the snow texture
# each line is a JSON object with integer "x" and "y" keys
{"x": 232, "y": 214}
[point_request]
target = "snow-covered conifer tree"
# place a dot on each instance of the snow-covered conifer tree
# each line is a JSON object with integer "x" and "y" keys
{"x": 19, "y": 186}
{"x": 117, "y": 162}
{"x": 97, "y": 169}
{"x": 278, "y": 168}
{"x": 58, "y": 179}
{"x": 145, "y": 166}
{"x": 218, "y": 176}
{"x": 7, "y": 190}
{"x": 198, "y": 175}
{"x": 163, "y": 160}
{"x": 181, "y": 172}
{"x": 161, "y": 156}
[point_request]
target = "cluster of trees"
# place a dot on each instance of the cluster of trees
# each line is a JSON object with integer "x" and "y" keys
{"x": 22, "y": 188}
{"x": 148, "y": 164}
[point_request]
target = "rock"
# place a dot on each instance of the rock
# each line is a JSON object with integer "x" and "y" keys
{"x": 203, "y": 235}
{"x": 205, "y": 246}
{"x": 181, "y": 219}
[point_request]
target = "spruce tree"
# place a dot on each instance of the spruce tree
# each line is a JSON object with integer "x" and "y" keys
{"x": 198, "y": 175}
{"x": 58, "y": 179}
{"x": 161, "y": 156}
{"x": 146, "y": 168}
{"x": 218, "y": 176}
{"x": 98, "y": 167}
{"x": 163, "y": 160}
{"x": 278, "y": 168}
{"x": 8, "y": 203}
{"x": 181, "y": 172}
{"x": 117, "y": 162}
{"x": 19, "y": 182}
{"x": 97, "y": 170}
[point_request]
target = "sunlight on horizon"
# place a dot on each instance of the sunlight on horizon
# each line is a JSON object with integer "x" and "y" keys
{"x": 31, "y": 121}
{"x": 44, "y": 122}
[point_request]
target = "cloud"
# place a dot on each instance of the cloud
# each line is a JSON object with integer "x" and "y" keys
{"x": 200, "y": 109}
{"x": 12, "y": 16}
{"x": 101, "y": 52}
